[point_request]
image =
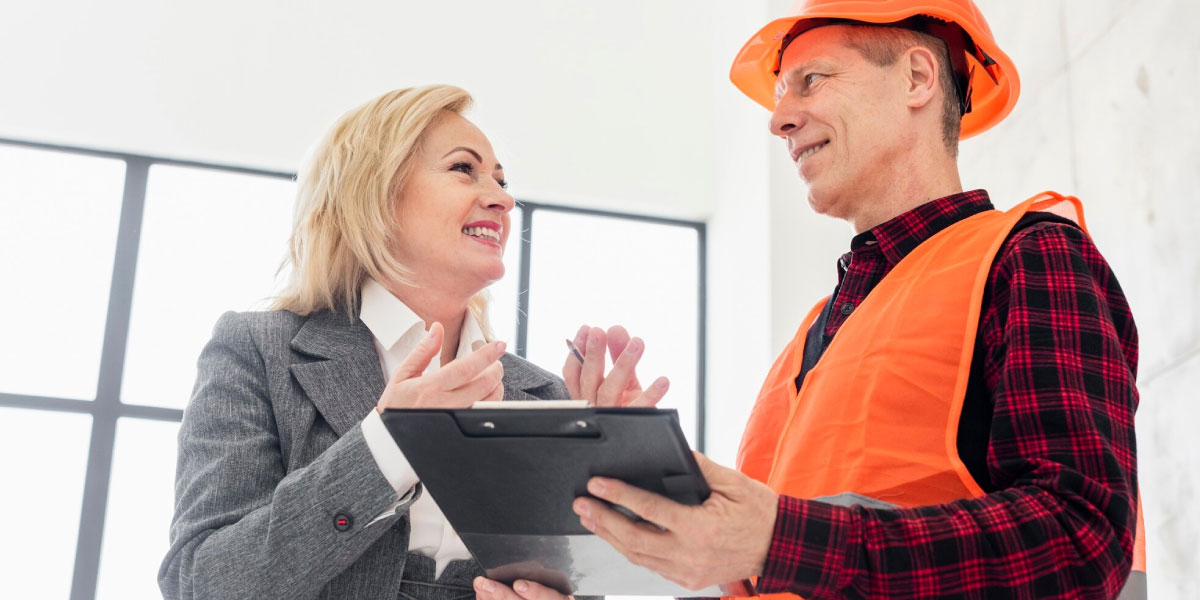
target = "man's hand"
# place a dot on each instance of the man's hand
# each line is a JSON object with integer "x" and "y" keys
{"x": 486, "y": 589}
{"x": 721, "y": 541}
{"x": 620, "y": 387}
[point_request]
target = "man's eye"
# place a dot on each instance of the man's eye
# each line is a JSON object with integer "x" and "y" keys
{"x": 811, "y": 78}
{"x": 462, "y": 167}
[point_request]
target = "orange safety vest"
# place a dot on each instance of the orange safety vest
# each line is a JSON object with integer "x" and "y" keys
{"x": 878, "y": 414}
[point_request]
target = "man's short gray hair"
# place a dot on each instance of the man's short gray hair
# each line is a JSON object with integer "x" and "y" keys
{"x": 883, "y": 45}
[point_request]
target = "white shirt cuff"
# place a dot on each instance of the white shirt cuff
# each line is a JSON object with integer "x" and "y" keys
{"x": 388, "y": 457}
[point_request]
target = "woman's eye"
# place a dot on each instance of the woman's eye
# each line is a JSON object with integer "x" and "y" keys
{"x": 462, "y": 167}
{"x": 503, "y": 183}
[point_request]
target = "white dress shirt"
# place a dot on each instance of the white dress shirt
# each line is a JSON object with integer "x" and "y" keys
{"x": 397, "y": 330}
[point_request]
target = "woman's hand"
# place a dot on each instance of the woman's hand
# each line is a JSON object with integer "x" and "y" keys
{"x": 486, "y": 589}
{"x": 620, "y": 387}
{"x": 459, "y": 384}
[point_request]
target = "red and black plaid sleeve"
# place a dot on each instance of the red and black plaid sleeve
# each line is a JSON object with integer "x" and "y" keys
{"x": 1058, "y": 356}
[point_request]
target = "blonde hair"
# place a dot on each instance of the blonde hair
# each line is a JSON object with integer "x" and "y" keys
{"x": 344, "y": 224}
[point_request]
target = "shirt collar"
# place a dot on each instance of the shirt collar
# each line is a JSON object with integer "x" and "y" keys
{"x": 389, "y": 319}
{"x": 385, "y": 315}
{"x": 899, "y": 236}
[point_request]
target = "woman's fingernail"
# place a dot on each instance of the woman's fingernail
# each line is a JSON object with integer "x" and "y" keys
{"x": 521, "y": 586}
{"x": 634, "y": 346}
{"x": 582, "y": 509}
{"x": 596, "y": 486}
{"x": 660, "y": 383}
{"x": 587, "y": 523}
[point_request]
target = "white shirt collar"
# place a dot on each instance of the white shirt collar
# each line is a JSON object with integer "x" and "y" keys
{"x": 390, "y": 319}
{"x": 471, "y": 333}
{"x": 385, "y": 315}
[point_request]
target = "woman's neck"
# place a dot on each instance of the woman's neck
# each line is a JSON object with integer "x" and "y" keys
{"x": 431, "y": 307}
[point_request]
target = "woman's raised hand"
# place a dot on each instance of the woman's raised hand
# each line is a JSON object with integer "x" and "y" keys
{"x": 620, "y": 387}
{"x": 459, "y": 384}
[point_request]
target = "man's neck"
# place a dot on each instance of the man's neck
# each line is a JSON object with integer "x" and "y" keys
{"x": 911, "y": 184}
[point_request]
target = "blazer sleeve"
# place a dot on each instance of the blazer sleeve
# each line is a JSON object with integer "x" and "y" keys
{"x": 243, "y": 527}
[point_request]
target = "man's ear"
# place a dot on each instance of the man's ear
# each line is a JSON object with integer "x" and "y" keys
{"x": 920, "y": 72}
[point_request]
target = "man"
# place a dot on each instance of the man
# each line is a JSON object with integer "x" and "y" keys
{"x": 956, "y": 420}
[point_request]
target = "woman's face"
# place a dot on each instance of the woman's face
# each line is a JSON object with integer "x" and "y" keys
{"x": 452, "y": 212}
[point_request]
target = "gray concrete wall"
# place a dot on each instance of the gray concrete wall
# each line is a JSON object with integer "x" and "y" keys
{"x": 1108, "y": 114}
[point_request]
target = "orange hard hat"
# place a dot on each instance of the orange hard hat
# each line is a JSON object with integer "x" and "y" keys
{"x": 986, "y": 77}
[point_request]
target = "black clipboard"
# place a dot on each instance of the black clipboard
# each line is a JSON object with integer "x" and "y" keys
{"x": 506, "y": 478}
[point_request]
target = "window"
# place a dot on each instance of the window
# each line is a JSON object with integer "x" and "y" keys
{"x": 502, "y": 305}
{"x": 45, "y": 460}
{"x": 609, "y": 270}
{"x": 58, "y": 230}
{"x": 121, "y": 265}
{"x": 211, "y": 242}
{"x": 140, "y": 499}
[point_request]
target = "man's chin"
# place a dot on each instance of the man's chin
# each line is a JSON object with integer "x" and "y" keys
{"x": 820, "y": 201}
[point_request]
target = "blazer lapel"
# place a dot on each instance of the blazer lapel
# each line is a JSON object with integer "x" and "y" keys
{"x": 519, "y": 379}
{"x": 346, "y": 379}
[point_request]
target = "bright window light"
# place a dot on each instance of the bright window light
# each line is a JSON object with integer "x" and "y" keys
{"x": 211, "y": 242}
{"x": 58, "y": 235}
{"x": 140, "y": 500}
{"x": 502, "y": 308}
{"x": 44, "y": 460}
{"x": 604, "y": 271}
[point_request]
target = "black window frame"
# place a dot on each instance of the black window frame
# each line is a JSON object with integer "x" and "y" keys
{"x": 106, "y": 409}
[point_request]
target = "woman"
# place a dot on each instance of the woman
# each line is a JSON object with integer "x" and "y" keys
{"x": 288, "y": 484}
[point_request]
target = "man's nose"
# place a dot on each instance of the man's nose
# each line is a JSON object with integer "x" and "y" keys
{"x": 786, "y": 117}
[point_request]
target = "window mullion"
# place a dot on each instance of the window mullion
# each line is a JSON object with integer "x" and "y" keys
{"x": 523, "y": 281}
{"x": 108, "y": 388}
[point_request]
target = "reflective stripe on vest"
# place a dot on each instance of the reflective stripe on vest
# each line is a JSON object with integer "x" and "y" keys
{"x": 898, "y": 369}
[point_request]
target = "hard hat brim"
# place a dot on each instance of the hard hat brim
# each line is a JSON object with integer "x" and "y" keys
{"x": 994, "y": 87}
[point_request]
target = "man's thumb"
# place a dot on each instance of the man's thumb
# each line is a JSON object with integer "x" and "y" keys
{"x": 714, "y": 474}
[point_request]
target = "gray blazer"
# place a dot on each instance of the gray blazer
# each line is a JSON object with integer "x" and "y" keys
{"x": 271, "y": 449}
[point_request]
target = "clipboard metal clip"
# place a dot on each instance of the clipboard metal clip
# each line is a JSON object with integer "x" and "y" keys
{"x": 511, "y": 423}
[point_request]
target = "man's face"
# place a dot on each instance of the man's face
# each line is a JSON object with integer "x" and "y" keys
{"x": 843, "y": 119}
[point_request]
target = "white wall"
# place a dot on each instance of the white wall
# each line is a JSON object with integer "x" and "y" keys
{"x": 1107, "y": 113}
{"x": 739, "y": 254}
{"x": 603, "y": 103}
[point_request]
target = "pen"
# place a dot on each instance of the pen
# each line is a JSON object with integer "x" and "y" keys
{"x": 575, "y": 351}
